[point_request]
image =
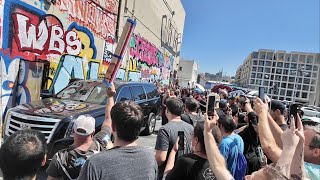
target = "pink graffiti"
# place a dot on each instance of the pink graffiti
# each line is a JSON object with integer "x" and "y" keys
{"x": 143, "y": 50}
{"x": 91, "y": 15}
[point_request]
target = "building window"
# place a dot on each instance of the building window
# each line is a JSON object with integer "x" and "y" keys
{"x": 304, "y": 95}
{"x": 255, "y": 62}
{"x": 253, "y": 75}
{"x": 315, "y": 68}
{"x": 265, "y": 83}
{"x": 285, "y": 71}
{"x": 293, "y": 66}
{"x": 284, "y": 78}
{"x": 297, "y": 94}
{"x": 287, "y": 57}
{"x": 252, "y": 81}
{"x": 180, "y": 68}
{"x": 259, "y": 75}
{"x": 278, "y": 78}
{"x": 267, "y": 70}
{"x": 291, "y": 79}
{"x": 312, "y": 88}
{"x": 294, "y": 58}
{"x": 302, "y": 58}
{"x": 254, "y": 68}
{"x": 307, "y": 74}
{"x": 314, "y": 75}
{"x": 305, "y": 88}
{"x": 279, "y": 71}
{"x": 261, "y": 63}
{"x": 309, "y": 59}
{"x": 300, "y": 80}
{"x": 289, "y": 93}
{"x": 299, "y": 87}
{"x": 286, "y": 65}
{"x": 313, "y": 82}
{"x": 258, "y": 82}
{"x": 268, "y": 63}
{"x": 288, "y": 99}
{"x": 281, "y": 55}
{"x": 260, "y": 69}
{"x": 279, "y": 64}
{"x": 306, "y": 81}
{"x": 282, "y": 92}
{"x": 290, "y": 86}
{"x": 284, "y": 85}
{"x": 309, "y": 67}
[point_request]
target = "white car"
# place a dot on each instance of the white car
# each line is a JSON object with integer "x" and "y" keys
{"x": 311, "y": 112}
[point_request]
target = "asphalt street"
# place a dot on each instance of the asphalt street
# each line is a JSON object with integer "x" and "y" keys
{"x": 146, "y": 141}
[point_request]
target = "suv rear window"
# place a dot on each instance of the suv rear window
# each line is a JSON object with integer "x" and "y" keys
{"x": 137, "y": 93}
{"x": 151, "y": 91}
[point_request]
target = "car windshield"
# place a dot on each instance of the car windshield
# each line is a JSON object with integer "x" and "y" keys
{"x": 85, "y": 91}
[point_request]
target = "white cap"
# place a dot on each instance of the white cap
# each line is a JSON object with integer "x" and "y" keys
{"x": 84, "y": 125}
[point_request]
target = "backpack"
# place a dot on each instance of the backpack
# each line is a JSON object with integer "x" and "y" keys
{"x": 78, "y": 163}
{"x": 195, "y": 120}
{"x": 241, "y": 166}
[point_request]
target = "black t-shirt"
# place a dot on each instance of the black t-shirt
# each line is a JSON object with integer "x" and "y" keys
{"x": 191, "y": 166}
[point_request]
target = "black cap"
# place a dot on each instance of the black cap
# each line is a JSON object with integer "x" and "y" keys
{"x": 277, "y": 105}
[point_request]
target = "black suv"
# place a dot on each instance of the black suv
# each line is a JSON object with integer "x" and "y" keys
{"x": 55, "y": 116}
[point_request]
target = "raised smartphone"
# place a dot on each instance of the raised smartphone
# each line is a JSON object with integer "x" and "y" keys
{"x": 211, "y": 101}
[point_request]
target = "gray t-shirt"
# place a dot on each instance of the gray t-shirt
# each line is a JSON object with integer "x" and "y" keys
{"x": 132, "y": 162}
{"x": 167, "y": 137}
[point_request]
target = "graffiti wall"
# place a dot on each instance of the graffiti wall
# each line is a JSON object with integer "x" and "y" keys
{"x": 147, "y": 62}
{"x": 44, "y": 43}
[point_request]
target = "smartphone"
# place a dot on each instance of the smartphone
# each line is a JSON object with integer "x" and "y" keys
{"x": 293, "y": 111}
{"x": 211, "y": 102}
{"x": 261, "y": 93}
{"x": 260, "y": 154}
{"x": 181, "y": 140}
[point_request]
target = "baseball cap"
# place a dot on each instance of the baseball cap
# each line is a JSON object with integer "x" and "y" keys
{"x": 277, "y": 105}
{"x": 198, "y": 90}
{"x": 84, "y": 125}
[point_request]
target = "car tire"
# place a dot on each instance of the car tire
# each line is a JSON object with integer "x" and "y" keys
{"x": 149, "y": 129}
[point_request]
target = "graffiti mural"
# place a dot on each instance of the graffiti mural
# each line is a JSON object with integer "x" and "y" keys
{"x": 147, "y": 62}
{"x": 52, "y": 43}
{"x": 88, "y": 14}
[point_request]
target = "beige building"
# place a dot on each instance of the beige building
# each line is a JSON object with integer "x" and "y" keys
{"x": 159, "y": 33}
{"x": 295, "y": 74}
{"x": 187, "y": 73}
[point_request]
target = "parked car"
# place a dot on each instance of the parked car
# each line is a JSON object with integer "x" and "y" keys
{"x": 55, "y": 116}
{"x": 311, "y": 112}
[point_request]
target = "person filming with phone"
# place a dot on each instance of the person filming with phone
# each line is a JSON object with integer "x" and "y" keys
{"x": 168, "y": 134}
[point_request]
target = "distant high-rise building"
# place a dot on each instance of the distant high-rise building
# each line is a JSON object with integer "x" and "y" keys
{"x": 295, "y": 75}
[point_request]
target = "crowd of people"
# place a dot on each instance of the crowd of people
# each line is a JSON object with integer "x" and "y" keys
{"x": 244, "y": 138}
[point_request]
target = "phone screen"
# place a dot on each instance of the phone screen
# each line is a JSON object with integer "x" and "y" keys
{"x": 293, "y": 111}
{"x": 261, "y": 93}
{"x": 181, "y": 140}
{"x": 211, "y": 105}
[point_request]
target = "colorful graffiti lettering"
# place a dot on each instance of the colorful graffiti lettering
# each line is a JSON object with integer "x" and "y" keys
{"x": 37, "y": 47}
{"x": 89, "y": 14}
{"x": 8, "y": 76}
{"x": 43, "y": 37}
{"x": 148, "y": 62}
{"x": 73, "y": 67}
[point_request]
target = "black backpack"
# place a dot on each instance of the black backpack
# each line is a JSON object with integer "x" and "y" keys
{"x": 75, "y": 160}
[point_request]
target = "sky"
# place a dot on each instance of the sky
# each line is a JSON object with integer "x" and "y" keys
{"x": 220, "y": 34}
